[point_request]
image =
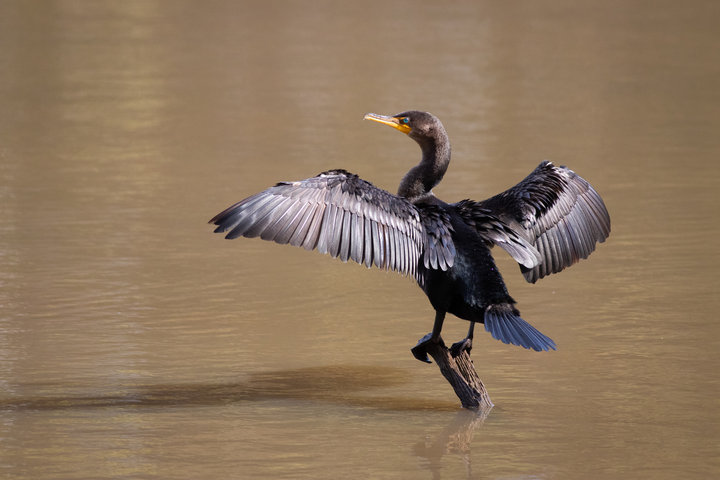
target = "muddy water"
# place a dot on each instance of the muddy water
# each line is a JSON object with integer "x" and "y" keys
{"x": 136, "y": 344}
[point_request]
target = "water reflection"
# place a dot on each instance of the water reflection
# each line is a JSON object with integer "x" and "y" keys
{"x": 454, "y": 440}
{"x": 346, "y": 385}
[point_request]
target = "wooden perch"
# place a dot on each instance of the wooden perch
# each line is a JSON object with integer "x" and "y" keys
{"x": 460, "y": 373}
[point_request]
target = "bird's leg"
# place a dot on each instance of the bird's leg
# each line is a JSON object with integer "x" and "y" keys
{"x": 464, "y": 344}
{"x": 420, "y": 350}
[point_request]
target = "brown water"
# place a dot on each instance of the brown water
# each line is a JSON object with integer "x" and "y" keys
{"x": 134, "y": 343}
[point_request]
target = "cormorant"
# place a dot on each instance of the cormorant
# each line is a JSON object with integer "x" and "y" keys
{"x": 546, "y": 222}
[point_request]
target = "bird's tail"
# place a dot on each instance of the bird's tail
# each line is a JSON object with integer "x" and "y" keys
{"x": 504, "y": 323}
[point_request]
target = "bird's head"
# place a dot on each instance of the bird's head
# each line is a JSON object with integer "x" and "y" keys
{"x": 417, "y": 125}
{"x": 430, "y": 134}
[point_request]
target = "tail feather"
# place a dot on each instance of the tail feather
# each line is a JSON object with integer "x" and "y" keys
{"x": 504, "y": 324}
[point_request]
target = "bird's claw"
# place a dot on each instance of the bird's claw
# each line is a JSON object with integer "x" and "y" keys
{"x": 464, "y": 345}
{"x": 419, "y": 351}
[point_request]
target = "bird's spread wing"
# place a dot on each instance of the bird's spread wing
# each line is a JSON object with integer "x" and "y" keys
{"x": 557, "y": 214}
{"x": 337, "y": 213}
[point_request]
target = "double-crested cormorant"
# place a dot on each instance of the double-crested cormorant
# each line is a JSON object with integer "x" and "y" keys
{"x": 546, "y": 222}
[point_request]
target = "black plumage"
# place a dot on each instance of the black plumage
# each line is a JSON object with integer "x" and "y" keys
{"x": 546, "y": 222}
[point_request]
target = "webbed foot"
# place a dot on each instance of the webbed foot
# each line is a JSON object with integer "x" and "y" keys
{"x": 461, "y": 346}
{"x": 419, "y": 351}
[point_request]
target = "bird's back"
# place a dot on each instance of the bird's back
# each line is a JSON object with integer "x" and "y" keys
{"x": 473, "y": 282}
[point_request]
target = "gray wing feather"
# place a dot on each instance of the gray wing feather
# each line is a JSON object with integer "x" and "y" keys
{"x": 572, "y": 226}
{"x": 340, "y": 214}
{"x": 547, "y": 222}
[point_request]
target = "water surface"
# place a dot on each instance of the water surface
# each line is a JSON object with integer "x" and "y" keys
{"x": 136, "y": 344}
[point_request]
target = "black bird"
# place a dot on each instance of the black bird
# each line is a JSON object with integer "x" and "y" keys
{"x": 546, "y": 222}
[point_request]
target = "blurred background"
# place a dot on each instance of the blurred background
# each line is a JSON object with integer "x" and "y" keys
{"x": 134, "y": 343}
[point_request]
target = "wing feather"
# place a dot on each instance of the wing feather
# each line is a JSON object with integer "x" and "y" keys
{"x": 547, "y": 222}
{"x": 283, "y": 228}
{"x": 356, "y": 247}
{"x": 378, "y": 253}
{"x": 368, "y": 241}
{"x": 390, "y": 246}
{"x": 346, "y": 238}
{"x": 340, "y": 214}
{"x": 310, "y": 242}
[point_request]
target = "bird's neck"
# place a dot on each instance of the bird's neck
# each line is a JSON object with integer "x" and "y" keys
{"x": 421, "y": 179}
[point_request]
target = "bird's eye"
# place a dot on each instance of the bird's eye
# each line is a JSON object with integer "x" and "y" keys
{"x": 406, "y": 120}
